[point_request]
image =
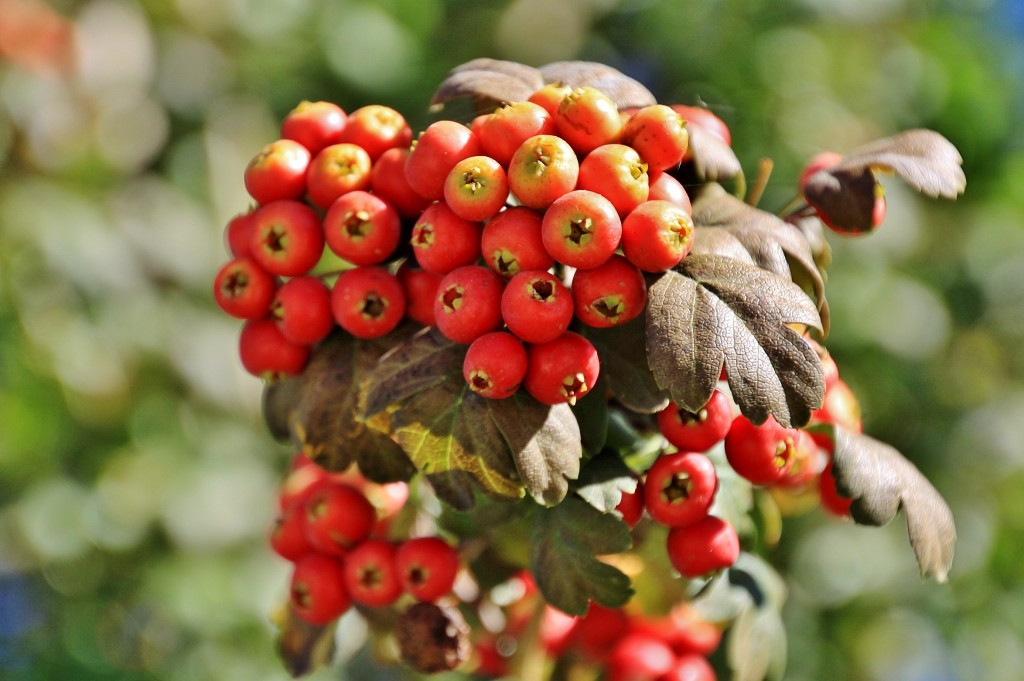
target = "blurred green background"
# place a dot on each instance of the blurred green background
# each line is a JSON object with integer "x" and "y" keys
{"x": 136, "y": 479}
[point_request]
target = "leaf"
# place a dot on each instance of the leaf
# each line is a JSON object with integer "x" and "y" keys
{"x": 757, "y": 645}
{"x": 924, "y": 159}
{"x": 591, "y": 412}
{"x": 713, "y": 159}
{"x": 626, "y": 92}
{"x": 457, "y": 438}
{"x": 881, "y": 481}
{"x": 622, "y": 350}
{"x": 304, "y": 647}
{"x": 489, "y": 82}
{"x": 603, "y": 481}
{"x": 711, "y": 311}
{"x": 725, "y": 224}
{"x": 563, "y": 557}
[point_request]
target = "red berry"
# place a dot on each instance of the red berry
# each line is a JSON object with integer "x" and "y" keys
{"x": 442, "y": 241}
{"x": 587, "y": 118}
{"x": 442, "y": 145}
{"x": 597, "y": 631}
{"x": 243, "y": 289}
{"x": 610, "y": 294}
{"x": 631, "y": 505}
{"x": 536, "y": 306}
{"x": 659, "y": 135}
{"x": 543, "y": 168}
{"x": 318, "y": 593}
{"x": 822, "y": 161}
{"x": 371, "y": 577}
{"x": 831, "y": 500}
{"x": 238, "y": 234}
{"x": 618, "y": 173}
{"x": 657, "y": 235}
{"x": 300, "y": 483}
{"x": 495, "y": 365}
{"x": 690, "y": 667}
{"x": 336, "y": 170}
{"x": 664, "y": 187}
{"x": 387, "y": 180}
{"x": 706, "y": 121}
{"x": 476, "y": 188}
{"x": 266, "y": 353}
{"x": 708, "y": 545}
{"x": 697, "y": 432}
{"x": 277, "y": 172}
{"x": 807, "y": 460}
{"x": 511, "y": 242}
{"x": 761, "y": 454}
{"x": 550, "y": 96}
{"x": 581, "y": 229}
{"x": 288, "y": 538}
{"x": 362, "y": 228}
{"x": 287, "y": 239}
{"x": 427, "y": 567}
{"x": 562, "y": 370}
{"x": 639, "y": 656}
{"x": 376, "y": 128}
{"x": 368, "y": 302}
{"x": 338, "y": 518}
{"x": 420, "y": 288}
{"x": 468, "y": 303}
{"x": 314, "y": 125}
{"x": 502, "y": 131}
{"x": 680, "y": 488}
{"x": 302, "y": 309}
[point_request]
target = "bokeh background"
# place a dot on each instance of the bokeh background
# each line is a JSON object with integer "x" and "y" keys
{"x": 136, "y": 479}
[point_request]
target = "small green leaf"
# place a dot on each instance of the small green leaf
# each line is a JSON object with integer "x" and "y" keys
{"x": 603, "y": 481}
{"x": 757, "y": 645}
{"x": 713, "y": 311}
{"x": 622, "y": 350}
{"x": 563, "y": 557}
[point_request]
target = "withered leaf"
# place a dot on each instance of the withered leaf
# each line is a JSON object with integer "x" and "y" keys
{"x": 726, "y": 225}
{"x": 626, "y": 92}
{"x": 881, "y": 482}
{"x": 622, "y": 350}
{"x": 432, "y": 638}
{"x": 304, "y": 647}
{"x": 489, "y": 82}
{"x": 713, "y": 159}
{"x": 711, "y": 311}
{"x": 924, "y": 159}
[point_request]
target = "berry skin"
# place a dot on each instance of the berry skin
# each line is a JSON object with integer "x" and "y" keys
{"x": 511, "y": 242}
{"x": 420, "y": 288}
{"x": 468, "y": 303}
{"x": 287, "y": 239}
{"x": 502, "y": 131}
{"x": 680, "y": 488}
{"x": 610, "y": 294}
{"x": 427, "y": 567}
{"x": 362, "y": 228}
{"x": 302, "y": 310}
{"x": 822, "y": 161}
{"x": 536, "y": 306}
{"x": 618, "y": 173}
{"x": 708, "y": 545}
{"x": 550, "y": 96}
{"x": 442, "y": 241}
{"x": 699, "y": 432}
{"x": 690, "y": 667}
{"x": 587, "y": 118}
{"x": 288, "y": 538}
{"x": 243, "y": 289}
{"x": 659, "y": 135}
{"x": 664, "y": 187}
{"x": 314, "y": 125}
{"x": 476, "y": 188}
{"x": 336, "y": 170}
{"x": 543, "y": 169}
{"x": 831, "y": 500}
{"x": 370, "y": 575}
{"x": 376, "y": 128}
{"x": 438, "y": 149}
{"x": 840, "y": 407}
{"x": 631, "y": 505}
{"x": 238, "y": 234}
{"x": 657, "y": 235}
{"x": 277, "y": 172}
{"x": 702, "y": 118}
{"x": 387, "y": 180}
{"x": 318, "y": 594}
{"x": 368, "y": 302}
{"x": 266, "y": 353}
{"x": 562, "y": 370}
{"x": 338, "y": 518}
{"x": 495, "y": 365}
{"x": 581, "y": 229}
{"x": 639, "y": 656}
{"x": 761, "y": 454}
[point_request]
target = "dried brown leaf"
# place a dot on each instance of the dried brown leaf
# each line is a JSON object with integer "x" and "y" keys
{"x": 490, "y": 82}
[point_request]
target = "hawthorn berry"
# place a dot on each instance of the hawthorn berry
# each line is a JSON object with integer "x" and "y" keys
{"x": 639, "y": 656}
{"x": 318, "y": 593}
{"x": 370, "y": 573}
{"x": 265, "y": 352}
{"x": 690, "y": 667}
{"x": 277, "y": 172}
{"x": 581, "y": 229}
{"x": 427, "y": 567}
{"x": 442, "y": 241}
{"x": 760, "y": 453}
{"x": 543, "y": 169}
{"x": 376, "y": 128}
{"x": 536, "y": 306}
{"x": 618, "y": 173}
{"x": 288, "y": 538}
{"x": 243, "y": 289}
{"x": 438, "y": 149}
{"x": 511, "y": 242}
{"x": 420, "y": 288}
{"x": 302, "y": 310}
{"x": 609, "y": 294}
{"x": 368, "y": 302}
{"x": 659, "y": 135}
{"x": 664, "y": 187}
{"x": 503, "y": 130}
{"x": 336, "y": 170}
{"x": 387, "y": 180}
{"x": 314, "y": 125}
{"x": 700, "y": 431}
{"x": 468, "y": 303}
{"x": 657, "y": 235}
{"x": 705, "y": 120}
{"x": 680, "y": 488}
{"x": 362, "y": 228}
{"x": 338, "y": 518}
{"x": 476, "y": 188}
{"x": 238, "y": 234}
{"x": 840, "y": 406}
{"x": 587, "y": 118}
{"x": 631, "y": 505}
{"x": 562, "y": 370}
{"x": 706, "y": 546}
{"x": 550, "y": 96}
{"x": 287, "y": 239}
{"x": 495, "y": 365}
{"x": 806, "y": 462}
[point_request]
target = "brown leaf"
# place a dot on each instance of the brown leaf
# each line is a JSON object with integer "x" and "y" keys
{"x": 304, "y": 647}
{"x": 711, "y": 311}
{"x": 432, "y": 639}
{"x": 713, "y": 159}
{"x": 626, "y": 92}
{"x": 490, "y": 82}
{"x": 881, "y": 481}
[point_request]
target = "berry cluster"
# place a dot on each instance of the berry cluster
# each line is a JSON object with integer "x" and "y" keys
{"x": 506, "y": 234}
{"x": 334, "y": 528}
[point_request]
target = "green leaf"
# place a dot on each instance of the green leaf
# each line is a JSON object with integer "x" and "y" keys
{"x": 626, "y": 92}
{"x": 622, "y": 350}
{"x": 713, "y": 311}
{"x": 881, "y": 481}
{"x": 563, "y": 557}
{"x": 592, "y": 414}
{"x": 489, "y": 82}
{"x": 603, "y": 481}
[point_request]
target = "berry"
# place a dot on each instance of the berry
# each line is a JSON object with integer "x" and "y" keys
{"x": 442, "y": 241}
{"x": 610, "y": 294}
{"x": 243, "y": 289}
{"x": 336, "y": 170}
{"x": 659, "y": 135}
{"x": 265, "y": 352}
{"x": 543, "y": 169}
{"x": 468, "y": 303}
{"x": 690, "y": 667}
{"x": 639, "y": 656}
{"x": 502, "y": 131}
{"x": 370, "y": 575}
{"x": 679, "y": 488}
{"x": 420, "y": 288}
{"x": 700, "y": 431}
{"x": 511, "y": 242}
{"x": 318, "y": 593}
{"x": 581, "y": 229}
{"x": 536, "y": 306}
{"x": 495, "y": 365}
{"x": 287, "y": 239}
{"x": 288, "y": 538}
{"x": 831, "y": 500}
{"x": 664, "y": 187}
{"x": 368, "y": 302}
{"x": 631, "y": 505}
{"x": 708, "y": 545}
{"x": 476, "y": 188}
{"x": 302, "y": 310}
{"x": 338, "y": 518}
{"x": 587, "y": 118}
{"x": 618, "y": 173}
{"x": 704, "y": 119}
{"x": 657, "y": 235}
{"x": 238, "y": 234}
{"x": 438, "y": 149}
{"x": 562, "y": 370}
{"x": 387, "y": 180}
{"x": 761, "y": 454}
{"x": 550, "y": 96}
{"x": 277, "y": 172}
{"x": 362, "y": 228}
{"x": 427, "y": 567}
{"x": 314, "y": 125}
{"x": 376, "y": 128}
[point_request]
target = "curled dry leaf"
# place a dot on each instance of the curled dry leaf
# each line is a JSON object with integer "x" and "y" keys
{"x": 490, "y": 82}
{"x": 713, "y": 159}
{"x": 626, "y": 92}
{"x": 881, "y": 481}
{"x": 432, "y": 639}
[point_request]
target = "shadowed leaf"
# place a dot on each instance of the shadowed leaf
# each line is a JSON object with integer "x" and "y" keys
{"x": 622, "y": 350}
{"x": 603, "y": 481}
{"x": 881, "y": 481}
{"x": 563, "y": 557}
{"x": 626, "y": 92}
{"x": 489, "y": 82}
{"x": 304, "y": 647}
{"x": 711, "y": 311}
{"x": 713, "y": 159}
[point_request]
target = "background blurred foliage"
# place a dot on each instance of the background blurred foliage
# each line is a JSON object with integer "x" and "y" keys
{"x": 136, "y": 480}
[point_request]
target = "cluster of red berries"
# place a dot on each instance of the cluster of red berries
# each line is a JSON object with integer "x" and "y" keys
{"x": 334, "y": 528}
{"x": 502, "y": 233}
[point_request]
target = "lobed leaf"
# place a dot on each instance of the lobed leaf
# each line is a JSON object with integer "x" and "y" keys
{"x": 881, "y": 482}
{"x": 713, "y": 311}
{"x": 563, "y": 557}
{"x": 622, "y": 350}
{"x": 626, "y": 92}
{"x": 489, "y": 82}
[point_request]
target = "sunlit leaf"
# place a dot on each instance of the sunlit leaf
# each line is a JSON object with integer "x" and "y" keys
{"x": 489, "y": 82}
{"x": 626, "y": 92}
{"x": 713, "y": 311}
